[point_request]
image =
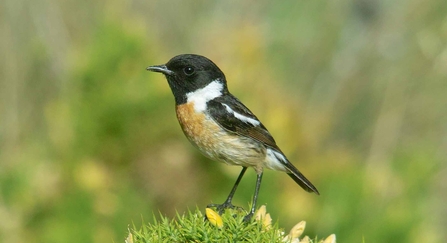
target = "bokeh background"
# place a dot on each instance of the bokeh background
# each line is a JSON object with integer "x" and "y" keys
{"x": 354, "y": 91}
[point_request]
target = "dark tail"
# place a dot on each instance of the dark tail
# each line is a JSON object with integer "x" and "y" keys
{"x": 292, "y": 171}
{"x": 300, "y": 179}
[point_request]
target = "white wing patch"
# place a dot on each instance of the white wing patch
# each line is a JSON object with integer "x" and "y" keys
{"x": 243, "y": 118}
{"x": 205, "y": 94}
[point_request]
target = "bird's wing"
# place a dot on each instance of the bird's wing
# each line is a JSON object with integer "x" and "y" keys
{"x": 235, "y": 117}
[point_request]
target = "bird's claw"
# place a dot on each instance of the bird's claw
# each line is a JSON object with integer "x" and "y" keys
{"x": 220, "y": 208}
{"x": 247, "y": 218}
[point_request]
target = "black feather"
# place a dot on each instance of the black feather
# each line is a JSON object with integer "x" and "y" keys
{"x": 300, "y": 179}
{"x": 229, "y": 122}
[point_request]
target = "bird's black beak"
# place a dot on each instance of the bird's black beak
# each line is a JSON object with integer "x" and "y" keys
{"x": 160, "y": 69}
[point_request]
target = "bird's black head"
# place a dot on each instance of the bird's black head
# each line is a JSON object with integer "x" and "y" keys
{"x": 187, "y": 73}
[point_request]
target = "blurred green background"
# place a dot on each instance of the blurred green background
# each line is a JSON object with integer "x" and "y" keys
{"x": 354, "y": 91}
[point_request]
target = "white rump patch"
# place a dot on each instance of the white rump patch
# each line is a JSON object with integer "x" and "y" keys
{"x": 242, "y": 117}
{"x": 205, "y": 94}
{"x": 275, "y": 160}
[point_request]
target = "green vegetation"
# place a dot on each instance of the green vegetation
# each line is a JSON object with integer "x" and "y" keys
{"x": 195, "y": 227}
{"x": 354, "y": 93}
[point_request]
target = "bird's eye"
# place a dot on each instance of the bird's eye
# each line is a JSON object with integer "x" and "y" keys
{"x": 189, "y": 71}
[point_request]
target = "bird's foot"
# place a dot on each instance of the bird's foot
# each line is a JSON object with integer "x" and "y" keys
{"x": 220, "y": 208}
{"x": 247, "y": 218}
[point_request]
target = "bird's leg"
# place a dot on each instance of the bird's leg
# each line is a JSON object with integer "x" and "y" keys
{"x": 227, "y": 204}
{"x": 248, "y": 217}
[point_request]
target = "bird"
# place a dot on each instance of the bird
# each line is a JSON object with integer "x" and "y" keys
{"x": 221, "y": 126}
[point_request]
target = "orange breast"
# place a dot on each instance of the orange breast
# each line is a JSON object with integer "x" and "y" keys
{"x": 217, "y": 144}
{"x": 199, "y": 129}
